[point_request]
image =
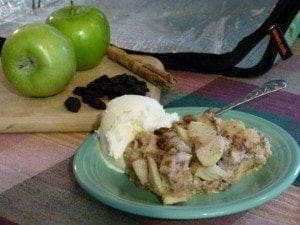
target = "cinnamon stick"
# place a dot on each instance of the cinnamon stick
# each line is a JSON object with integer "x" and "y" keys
{"x": 145, "y": 70}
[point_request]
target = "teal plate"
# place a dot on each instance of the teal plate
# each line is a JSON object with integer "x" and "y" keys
{"x": 116, "y": 190}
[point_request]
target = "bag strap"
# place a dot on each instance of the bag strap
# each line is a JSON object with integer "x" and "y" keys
{"x": 225, "y": 64}
{"x": 1, "y": 43}
{"x": 283, "y": 20}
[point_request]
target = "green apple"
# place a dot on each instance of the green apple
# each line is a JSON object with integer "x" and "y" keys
{"x": 88, "y": 29}
{"x": 38, "y": 60}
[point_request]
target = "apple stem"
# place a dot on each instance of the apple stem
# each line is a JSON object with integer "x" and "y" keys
{"x": 72, "y": 7}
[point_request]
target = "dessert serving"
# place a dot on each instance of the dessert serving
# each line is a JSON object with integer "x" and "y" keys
{"x": 198, "y": 154}
{"x": 177, "y": 158}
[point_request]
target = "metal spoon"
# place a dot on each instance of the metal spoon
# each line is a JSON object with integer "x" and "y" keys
{"x": 266, "y": 88}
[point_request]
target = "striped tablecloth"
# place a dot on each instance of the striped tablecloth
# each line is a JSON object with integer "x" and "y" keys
{"x": 37, "y": 184}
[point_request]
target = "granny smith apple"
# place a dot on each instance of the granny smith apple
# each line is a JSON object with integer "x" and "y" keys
{"x": 38, "y": 60}
{"x": 88, "y": 29}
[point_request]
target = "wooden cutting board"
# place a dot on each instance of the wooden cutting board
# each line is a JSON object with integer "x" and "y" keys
{"x": 22, "y": 114}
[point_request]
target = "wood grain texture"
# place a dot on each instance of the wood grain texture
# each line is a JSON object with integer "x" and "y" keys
{"x": 22, "y": 114}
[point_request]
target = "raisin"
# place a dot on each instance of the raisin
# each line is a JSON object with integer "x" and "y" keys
{"x": 111, "y": 87}
{"x": 80, "y": 91}
{"x": 139, "y": 91}
{"x": 103, "y": 80}
{"x": 160, "y": 131}
{"x": 83, "y": 91}
{"x": 97, "y": 103}
{"x": 73, "y": 104}
{"x": 87, "y": 98}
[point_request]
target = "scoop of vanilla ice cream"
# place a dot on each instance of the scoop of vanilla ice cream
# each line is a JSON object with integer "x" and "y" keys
{"x": 123, "y": 118}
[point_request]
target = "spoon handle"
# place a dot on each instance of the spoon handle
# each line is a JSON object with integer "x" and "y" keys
{"x": 266, "y": 88}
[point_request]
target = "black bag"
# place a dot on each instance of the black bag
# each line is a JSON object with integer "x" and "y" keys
{"x": 226, "y": 64}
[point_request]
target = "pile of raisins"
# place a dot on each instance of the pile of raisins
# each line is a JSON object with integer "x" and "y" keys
{"x": 105, "y": 87}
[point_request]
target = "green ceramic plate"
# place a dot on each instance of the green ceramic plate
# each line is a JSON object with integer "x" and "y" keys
{"x": 116, "y": 190}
